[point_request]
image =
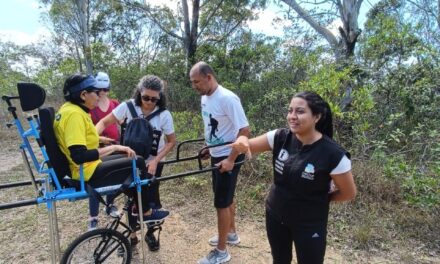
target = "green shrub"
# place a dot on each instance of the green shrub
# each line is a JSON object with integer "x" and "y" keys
{"x": 188, "y": 125}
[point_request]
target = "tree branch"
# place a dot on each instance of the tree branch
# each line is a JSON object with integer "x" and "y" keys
{"x": 145, "y": 7}
{"x": 328, "y": 35}
{"x": 208, "y": 18}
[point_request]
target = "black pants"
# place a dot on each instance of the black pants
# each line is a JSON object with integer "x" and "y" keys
{"x": 115, "y": 169}
{"x": 310, "y": 241}
{"x": 153, "y": 190}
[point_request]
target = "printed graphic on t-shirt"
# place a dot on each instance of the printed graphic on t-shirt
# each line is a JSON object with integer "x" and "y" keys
{"x": 309, "y": 172}
{"x": 213, "y": 123}
{"x": 279, "y": 162}
{"x": 213, "y": 138}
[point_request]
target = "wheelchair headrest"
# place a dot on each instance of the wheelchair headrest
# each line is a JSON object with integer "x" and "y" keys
{"x": 32, "y": 96}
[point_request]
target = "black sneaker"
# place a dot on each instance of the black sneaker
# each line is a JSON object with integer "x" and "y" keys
{"x": 134, "y": 241}
{"x": 152, "y": 242}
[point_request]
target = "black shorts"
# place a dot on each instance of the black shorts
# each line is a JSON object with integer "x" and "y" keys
{"x": 223, "y": 184}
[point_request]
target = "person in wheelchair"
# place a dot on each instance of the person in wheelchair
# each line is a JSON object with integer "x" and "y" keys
{"x": 149, "y": 102}
{"x": 79, "y": 141}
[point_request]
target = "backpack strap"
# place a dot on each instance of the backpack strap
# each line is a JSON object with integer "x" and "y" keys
{"x": 155, "y": 113}
{"x": 132, "y": 110}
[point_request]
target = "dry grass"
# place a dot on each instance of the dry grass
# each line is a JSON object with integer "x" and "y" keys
{"x": 376, "y": 228}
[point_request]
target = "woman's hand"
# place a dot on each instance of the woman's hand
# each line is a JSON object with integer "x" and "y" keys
{"x": 241, "y": 145}
{"x": 125, "y": 149}
{"x": 152, "y": 166}
{"x": 106, "y": 140}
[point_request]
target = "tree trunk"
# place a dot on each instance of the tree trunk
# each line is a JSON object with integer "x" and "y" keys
{"x": 349, "y": 32}
{"x": 190, "y": 34}
{"x": 83, "y": 15}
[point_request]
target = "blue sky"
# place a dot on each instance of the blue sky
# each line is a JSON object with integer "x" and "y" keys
{"x": 20, "y": 20}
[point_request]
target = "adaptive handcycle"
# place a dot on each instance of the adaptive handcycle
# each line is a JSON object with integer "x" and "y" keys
{"x": 104, "y": 245}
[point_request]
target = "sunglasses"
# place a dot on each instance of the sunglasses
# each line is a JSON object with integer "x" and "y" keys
{"x": 105, "y": 90}
{"x": 146, "y": 98}
{"x": 94, "y": 91}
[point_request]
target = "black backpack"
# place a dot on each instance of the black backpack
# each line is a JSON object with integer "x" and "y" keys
{"x": 139, "y": 134}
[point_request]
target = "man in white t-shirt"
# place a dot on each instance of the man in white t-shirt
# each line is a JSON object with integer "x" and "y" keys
{"x": 224, "y": 120}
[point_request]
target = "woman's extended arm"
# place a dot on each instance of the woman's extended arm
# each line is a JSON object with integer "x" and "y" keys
{"x": 244, "y": 145}
{"x": 254, "y": 145}
{"x": 105, "y": 122}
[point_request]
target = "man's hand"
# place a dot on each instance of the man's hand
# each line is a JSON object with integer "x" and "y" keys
{"x": 225, "y": 165}
{"x": 204, "y": 154}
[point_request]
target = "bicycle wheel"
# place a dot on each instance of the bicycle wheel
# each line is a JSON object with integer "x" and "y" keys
{"x": 98, "y": 246}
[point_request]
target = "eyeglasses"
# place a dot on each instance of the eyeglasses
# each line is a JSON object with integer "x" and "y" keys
{"x": 146, "y": 98}
{"x": 105, "y": 90}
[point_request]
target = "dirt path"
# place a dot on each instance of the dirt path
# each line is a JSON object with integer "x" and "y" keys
{"x": 25, "y": 238}
{"x": 24, "y": 231}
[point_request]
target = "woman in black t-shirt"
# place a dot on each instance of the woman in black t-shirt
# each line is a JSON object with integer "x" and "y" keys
{"x": 310, "y": 170}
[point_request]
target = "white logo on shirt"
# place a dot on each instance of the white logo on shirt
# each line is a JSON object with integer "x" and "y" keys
{"x": 284, "y": 155}
{"x": 279, "y": 162}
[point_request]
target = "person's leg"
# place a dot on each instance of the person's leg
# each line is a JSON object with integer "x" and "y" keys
{"x": 154, "y": 198}
{"x": 232, "y": 215}
{"x": 310, "y": 244}
{"x": 93, "y": 201}
{"x": 280, "y": 239}
{"x": 153, "y": 189}
{"x": 224, "y": 189}
{"x": 93, "y": 206}
{"x": 116, "y": 171}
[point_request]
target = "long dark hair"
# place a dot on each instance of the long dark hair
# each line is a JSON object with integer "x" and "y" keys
{"x": 319, "y": 107}
{"x": 150, "y": 82}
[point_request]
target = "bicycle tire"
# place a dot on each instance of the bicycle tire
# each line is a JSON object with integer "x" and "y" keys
{"x": 99, "y": 246}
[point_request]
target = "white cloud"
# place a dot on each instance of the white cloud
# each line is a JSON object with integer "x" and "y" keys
{"x": 265, "y": 24}
{"x": 22, "y": 38}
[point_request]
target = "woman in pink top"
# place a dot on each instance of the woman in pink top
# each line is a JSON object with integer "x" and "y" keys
{"x": 105, "y": 107}
{"x": 109, "y": 136}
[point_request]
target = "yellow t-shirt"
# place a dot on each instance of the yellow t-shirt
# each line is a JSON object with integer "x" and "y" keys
{"x": 73, "y": 126}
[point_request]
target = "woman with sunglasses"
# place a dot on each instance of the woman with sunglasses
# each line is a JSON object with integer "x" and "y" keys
{"x": 78, "y": 140}
{"x": 105, "y": 107}
{"x": 148, "y": 97}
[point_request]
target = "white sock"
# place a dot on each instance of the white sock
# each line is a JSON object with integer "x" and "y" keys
{"x": 221, "y": 251}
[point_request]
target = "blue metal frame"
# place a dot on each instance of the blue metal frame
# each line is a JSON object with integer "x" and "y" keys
{"x": 51, "y": 189}
{"x": 58, "y": 193}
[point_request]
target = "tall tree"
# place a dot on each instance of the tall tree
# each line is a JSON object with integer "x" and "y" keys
{"x": 71, "y": 21}
{"x": 127, "y": 34}
{"x": 193, "y": 28}
{"x": 347, "y": 11}
{"x": 426, "y": 14}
